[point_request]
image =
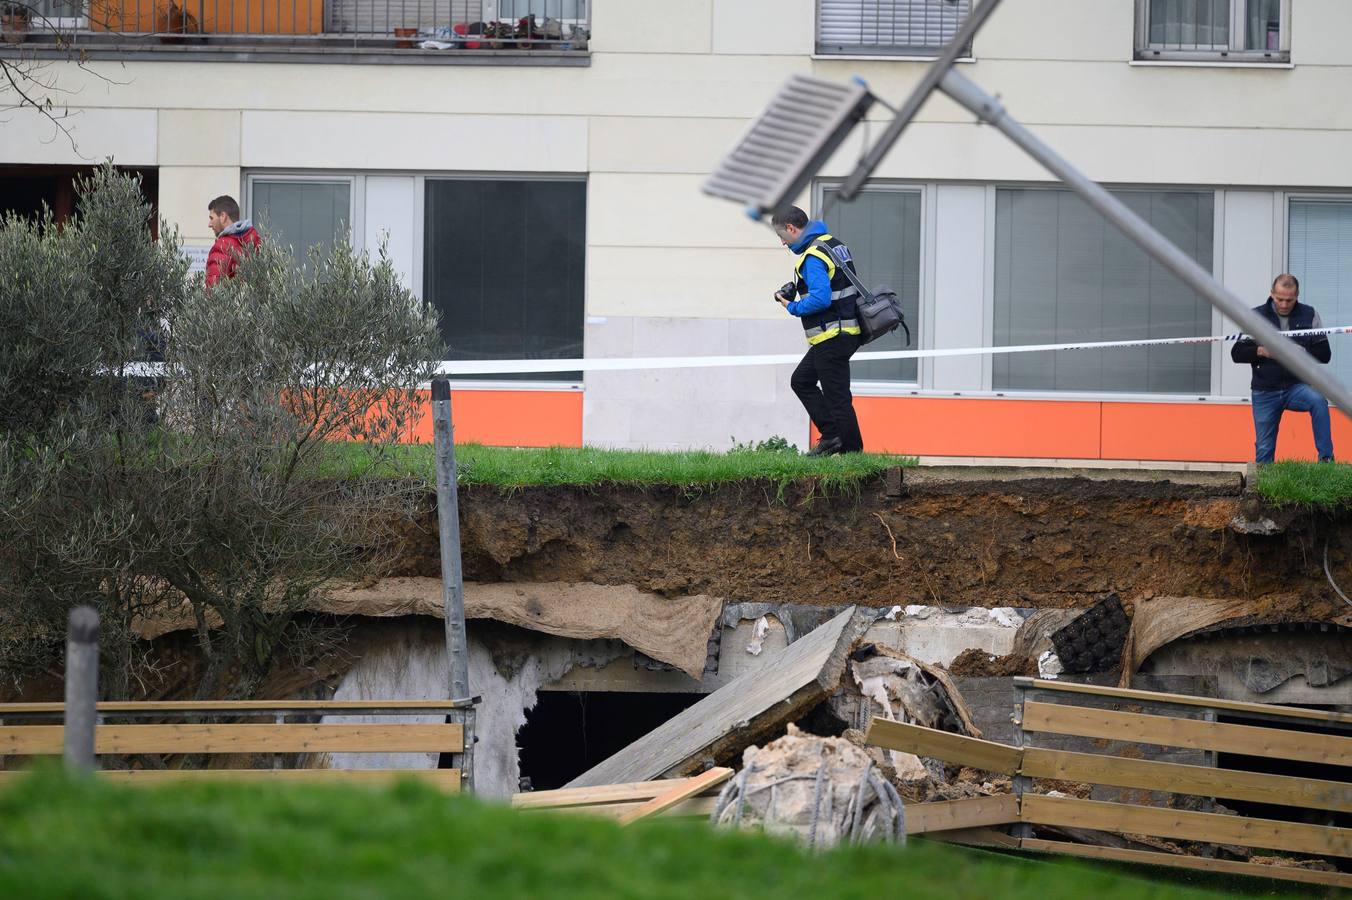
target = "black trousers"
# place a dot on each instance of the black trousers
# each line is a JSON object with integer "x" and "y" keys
{"x": 830, "y": 406}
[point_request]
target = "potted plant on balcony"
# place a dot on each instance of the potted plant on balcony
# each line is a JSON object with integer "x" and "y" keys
{"x": 14, "y": 19}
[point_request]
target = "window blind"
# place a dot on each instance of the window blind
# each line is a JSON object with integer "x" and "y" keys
{"x": 888, "y": 26}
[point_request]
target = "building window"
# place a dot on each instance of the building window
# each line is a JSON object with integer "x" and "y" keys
{"x": 503, "y": 262}
{"x": 1234, "y": 30}
{"x": 881, "y": 226}
{"x": 1319, "y": 253}
{"x": 302, "y": 213}
{"x": 888, "y": 27}
{"x": 1063, "y": 274}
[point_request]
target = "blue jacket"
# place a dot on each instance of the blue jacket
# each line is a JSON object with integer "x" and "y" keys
{"x": 814, "y": 273}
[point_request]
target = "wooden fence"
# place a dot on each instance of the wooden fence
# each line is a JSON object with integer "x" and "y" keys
{"x": 1058, "y": 711}
{"x": 124, "y": 732}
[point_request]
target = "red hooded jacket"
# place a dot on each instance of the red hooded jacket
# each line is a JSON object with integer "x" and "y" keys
{"x": 224, "y": 256}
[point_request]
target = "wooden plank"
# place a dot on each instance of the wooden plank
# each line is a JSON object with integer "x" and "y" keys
{"x": 692, "y": 808}
{"x": 17, "y": 710}
{"x": 951, "y": 748}
{"x": 1264, "y": 709}
{"x": 747, "y": 709}
{"x": 1202, "y": 781}
{"x": 949, "y": 815}
{"x": 1227, "y": 866}
{"x": 669, "y": 798}
{"x": 1250, "y": 740}
{"x": 976, "y": 837}
{"x": 448, "y": 780}
{"x": 1295, "y": 837}
{"x": 28, "y": 740}
{"x": 591, "y": 796}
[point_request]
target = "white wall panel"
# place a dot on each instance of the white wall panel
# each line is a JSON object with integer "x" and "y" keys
{"x": 185, "y": 192}
{"x": 652, "y": 26}
{"x": 1247, "y": 269}
{"x": 675, "y": 281}
{"x": 432, "y": 142}
{"x": 199, "y": 137}
{"x": 127, "y": 136}
{"x": 765, "y": 27}
{"x": 390, "y": 210}
{"x": 959, "y": 283}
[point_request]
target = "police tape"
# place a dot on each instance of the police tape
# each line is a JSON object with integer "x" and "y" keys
{"x": 621, "y": 364}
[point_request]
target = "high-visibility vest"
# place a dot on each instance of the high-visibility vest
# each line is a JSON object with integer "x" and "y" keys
{"x": 840, "y": 316}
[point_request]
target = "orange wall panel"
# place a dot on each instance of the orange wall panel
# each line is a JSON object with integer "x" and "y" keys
{"x": 213, "y": 17}
{"x": 510, "y": 418}
{"x": 1201, "y": 433}
{"x": 1194, "y": 432}
{"x": 956, "y": 426}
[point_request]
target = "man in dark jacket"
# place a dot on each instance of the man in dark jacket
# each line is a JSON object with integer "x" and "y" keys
{"x": 233, "y": 236}
{"x": 822, "y": 296}
{"x": 1274, "y": 388}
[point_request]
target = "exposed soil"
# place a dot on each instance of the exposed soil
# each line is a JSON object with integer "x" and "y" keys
{"x": 1029, "y": 542}
{"x": 977, "y": 663}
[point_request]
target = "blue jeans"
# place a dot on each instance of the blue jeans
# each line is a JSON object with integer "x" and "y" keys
{"x": 1267, "y": 415}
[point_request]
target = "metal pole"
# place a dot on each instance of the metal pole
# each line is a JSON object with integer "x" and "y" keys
{"x": 928, "y": 82}
{"x": 988, "y": 109}
{"x": 448, "y": 518}
{"x": 82, "y": 689}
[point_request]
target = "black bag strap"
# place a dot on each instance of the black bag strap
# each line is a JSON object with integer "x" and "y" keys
{"x": 845, "y": 267}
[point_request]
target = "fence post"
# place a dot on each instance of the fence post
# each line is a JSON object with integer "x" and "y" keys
{"x": 1020, "y": 783}
{"x": 82, "y": 689}
{"x": 448, "y": 518}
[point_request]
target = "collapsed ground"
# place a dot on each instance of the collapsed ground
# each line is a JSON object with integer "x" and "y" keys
{"x": 957, "y": 538}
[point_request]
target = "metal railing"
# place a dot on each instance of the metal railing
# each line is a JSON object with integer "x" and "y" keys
{"x": 445, "y": 25}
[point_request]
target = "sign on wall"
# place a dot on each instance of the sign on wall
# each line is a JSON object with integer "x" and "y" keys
{"x": 197, "y": 256}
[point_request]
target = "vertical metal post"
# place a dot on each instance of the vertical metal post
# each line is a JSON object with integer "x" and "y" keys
{"x": 1020, "y": 783}
{"x": 82, "y": 689}
{"x": 448, "y": 518}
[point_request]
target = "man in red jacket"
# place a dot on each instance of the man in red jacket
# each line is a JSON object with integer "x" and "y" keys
{"x": 233, "y": 236}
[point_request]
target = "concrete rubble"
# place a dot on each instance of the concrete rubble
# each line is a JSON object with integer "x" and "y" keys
{"x": 821, "y": 791}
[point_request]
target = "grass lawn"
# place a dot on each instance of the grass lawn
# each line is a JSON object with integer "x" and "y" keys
{"x": 1306, "y": 483}
{"x": 89, "y": 840}
{"x": 521, "y": 467}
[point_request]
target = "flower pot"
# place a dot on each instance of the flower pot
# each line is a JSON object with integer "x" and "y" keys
{"x": 404, "y": 33}
{"x": 14, "y": 28}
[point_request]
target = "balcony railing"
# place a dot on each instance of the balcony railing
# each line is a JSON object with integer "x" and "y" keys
{"x": 422, "y": 27}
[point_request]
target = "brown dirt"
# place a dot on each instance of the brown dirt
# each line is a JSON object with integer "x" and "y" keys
{"x": 1040, "y": 542}
{"x": 977, "y": 663}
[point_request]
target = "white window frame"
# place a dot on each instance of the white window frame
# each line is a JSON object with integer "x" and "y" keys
{"x": 1234, "y": 53}
{"x": 922, "y": 332}
{"x": 1217, "y": 319}
{"x": 416, "y": 278}
{"x": 870, "y": 51}
{"x": 356, "y": 197}
{"x": 357, "y": 224}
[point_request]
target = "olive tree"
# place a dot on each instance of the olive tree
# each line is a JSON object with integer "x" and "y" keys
{"x": 227, "y": 487}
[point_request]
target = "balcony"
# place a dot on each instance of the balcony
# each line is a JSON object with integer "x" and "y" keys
{"x": 455, "y": 32}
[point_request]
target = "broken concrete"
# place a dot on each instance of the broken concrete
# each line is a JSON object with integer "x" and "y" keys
{"x": 745, "y": 711}
{"x": 507, "y": 668}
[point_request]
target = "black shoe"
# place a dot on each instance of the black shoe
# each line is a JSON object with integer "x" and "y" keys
{"x": 826, "y": 447}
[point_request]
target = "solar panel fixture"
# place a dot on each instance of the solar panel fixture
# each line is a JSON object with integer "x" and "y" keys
{"x": 777, "y": 156}
{"x": 767, "y": 171}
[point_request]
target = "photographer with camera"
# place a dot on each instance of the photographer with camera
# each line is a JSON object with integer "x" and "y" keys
{"x": 823, "y": 297}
